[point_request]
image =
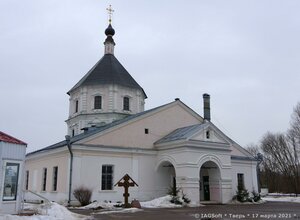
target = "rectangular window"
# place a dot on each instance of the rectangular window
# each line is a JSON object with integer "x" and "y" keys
{"x": 107, "y": 177}
{"x": 10, "y": 186}
{"x": 44, "y": 180}
{"x": 240, "y": 178}
{"x": 26, "y": 179}
{"x": 207, "y": 134}
{"x": 98, "y": 102}
{"x": 126, "y": 104}
{"x": 76, "y": 106}
{"x": 146, "y": 131}
{"x": 55, "y": 173}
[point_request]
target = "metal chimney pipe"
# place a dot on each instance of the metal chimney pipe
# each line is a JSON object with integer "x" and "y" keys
{"x": 206, "y": 106}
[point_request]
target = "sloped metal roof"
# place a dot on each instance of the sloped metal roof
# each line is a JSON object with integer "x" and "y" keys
{"x": 9, "y": 139}
{"x": 108, "y": 70}
{"x": 181, "y": 133}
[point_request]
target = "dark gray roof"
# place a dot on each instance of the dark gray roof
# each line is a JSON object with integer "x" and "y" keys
{"x": 108, "y": 70}
{"x": 233, "y": 157}
{"x": 181, "y": 133}
{"x": 96, "y": 130}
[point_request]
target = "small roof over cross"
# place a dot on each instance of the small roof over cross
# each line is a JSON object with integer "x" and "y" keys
{"x": 127, "y": 181}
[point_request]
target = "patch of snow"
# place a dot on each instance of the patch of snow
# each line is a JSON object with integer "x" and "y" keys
{"x": 247, "y": 203}
{"x": 45, "y": 212}
{"x": 129, "y": 210}
{"x": 281, "y": 199}
{"x": 282, "y": 194}
{"x": 162, "y": 202}
{"x": 104, "y": 205}
{"x": 61, "y": 212}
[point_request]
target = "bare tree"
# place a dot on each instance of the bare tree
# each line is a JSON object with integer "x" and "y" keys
{"x": 294, "y": 131}
{"x": 253, "y": 149}
{"x": 280, "y": 168}
{"x": 281, "y": 158}
{"x": 293, "y": 135}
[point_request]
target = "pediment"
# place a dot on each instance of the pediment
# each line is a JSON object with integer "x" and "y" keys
{"x": 210, "y": 134}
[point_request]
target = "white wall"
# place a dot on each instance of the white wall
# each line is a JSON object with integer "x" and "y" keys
{"x": 143, "y": 166}
{"x": 14, "y": 153}
{"x": 139, "y": 166}
{"x": 112, "y": 102}
{"x": 248, "y": 168}
{"x": 35, "y": 165}
{"x": 188, "y": 161}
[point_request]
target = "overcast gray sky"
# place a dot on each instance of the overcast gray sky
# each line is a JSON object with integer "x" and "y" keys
{"x": 245, "y": 54}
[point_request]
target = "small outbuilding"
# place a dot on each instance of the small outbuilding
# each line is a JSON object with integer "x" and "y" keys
{"x": 12, "y": 157}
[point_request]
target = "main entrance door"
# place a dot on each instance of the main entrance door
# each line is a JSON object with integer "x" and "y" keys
{"x": 206, "y": 188}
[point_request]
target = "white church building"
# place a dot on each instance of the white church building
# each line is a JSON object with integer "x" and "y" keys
{"x": 110, "y": 135}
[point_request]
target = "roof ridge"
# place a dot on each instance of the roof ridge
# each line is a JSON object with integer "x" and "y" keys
{"x": 84, "y": 77}
{"x": 108, "y": 70}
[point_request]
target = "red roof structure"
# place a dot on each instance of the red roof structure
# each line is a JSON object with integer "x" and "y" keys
{"x": 9, "y": 139}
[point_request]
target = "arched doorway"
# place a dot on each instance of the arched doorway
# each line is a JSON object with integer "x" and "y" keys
{"x": 166, "y": 177}
{"x": 210, "y": 182}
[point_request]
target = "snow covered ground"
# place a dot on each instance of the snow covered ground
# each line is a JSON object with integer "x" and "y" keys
{"x": 281, "y": 198}
{"x": 129, "y": 210}
{"x": 53, "y": 211}
{"x": 100, "y": 205}
{"x": 162, "y": 202}
{"x": 109, "y": 207}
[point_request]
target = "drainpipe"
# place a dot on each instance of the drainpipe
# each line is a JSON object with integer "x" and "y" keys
{"x": 71, "y": 166}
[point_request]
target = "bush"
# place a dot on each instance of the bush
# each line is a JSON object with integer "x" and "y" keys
{"x": 242, "y": 195}
{"x": 176, "y": 199}
{"x": 255, "y": 196}
{"x": 83, "y": 195}
{"x": 185, "y": 198}
{"x": 119, "y": 204}
{"x": 173, "y": 191}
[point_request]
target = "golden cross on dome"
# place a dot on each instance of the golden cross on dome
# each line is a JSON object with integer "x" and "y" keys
{"x": 110, "y": 12}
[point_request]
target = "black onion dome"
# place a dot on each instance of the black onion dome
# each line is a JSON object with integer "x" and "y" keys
{"x": 109, "y": 30}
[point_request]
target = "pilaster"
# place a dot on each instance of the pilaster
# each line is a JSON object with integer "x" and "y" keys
{"x": 110, "y": 98}
{"x": 83, "y": 100}
{"x": 187, "y": 179}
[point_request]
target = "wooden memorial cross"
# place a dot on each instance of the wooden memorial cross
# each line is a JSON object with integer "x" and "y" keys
{"x": 126, "y": 182}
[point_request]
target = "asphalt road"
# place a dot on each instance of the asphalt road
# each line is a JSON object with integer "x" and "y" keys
{"x": 269, "y": 210}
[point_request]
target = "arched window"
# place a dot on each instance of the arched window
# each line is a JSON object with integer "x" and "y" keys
{"x": 126, "y": 106}
{"x": 98, "y": 102}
